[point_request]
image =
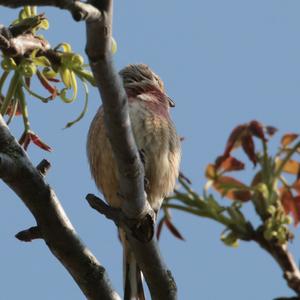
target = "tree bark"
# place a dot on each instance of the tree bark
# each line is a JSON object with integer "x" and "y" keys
{"x": 54, "y": 226}
{"x": 135, "y": 206}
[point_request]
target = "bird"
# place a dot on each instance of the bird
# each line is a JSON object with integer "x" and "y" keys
{"x": 159, "y": 146}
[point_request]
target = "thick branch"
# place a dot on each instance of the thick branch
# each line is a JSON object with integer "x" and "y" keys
{"x": 116, "y": 114}
{"x": 117, "y": 122}
{"x": 56, "y": 229}
{"x": 141, "y": 229}
{"x": 159, "y": 279}
{"x": 284, "y": 258}
{"x": 79, "y": 10}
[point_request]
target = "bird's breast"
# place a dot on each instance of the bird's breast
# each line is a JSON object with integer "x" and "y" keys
{"x": 155, "y": 135}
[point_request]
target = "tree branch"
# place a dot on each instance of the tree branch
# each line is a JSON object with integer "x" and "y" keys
{"x": 115, "y": 104}
{"x": 284, "y": 258}
{"x": 54, "y": 226}
{"x": 79, "y": 10}
{"x": 117, "y": 122}
{"x": 137, "y": 228}
{"x": 159, "y": 279}
{"x": 32, "y": 233}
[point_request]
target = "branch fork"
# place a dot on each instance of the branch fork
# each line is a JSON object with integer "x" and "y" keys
{"x": 141, "y": 228}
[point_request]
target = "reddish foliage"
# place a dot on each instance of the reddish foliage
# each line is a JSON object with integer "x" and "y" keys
{"x": 292, "y": 167}
{"x": 291, "y": 204}
{"x": 288, "y": 139}
{"x": 234, "y": 139}
{"x": 296, "y": 186}
{"x": 257, "y": 129}
{"x": 46, "y": 84}
{"x": 159, "y": 227}
{"x": 30, "y": 136}
{"x": 249, "y": 148}
{"x": 257, "y": 179}
{"x": 231, "y": 188}
{"x": 173, "y": 229}
{"x": 11, "y": 107}
{"x": 166, "y": 221}
{"x": 53, "y": 79}
{"x": 229, "y": 164}
{"x": 271, "y": 130}
{"x": 242, "y": 135}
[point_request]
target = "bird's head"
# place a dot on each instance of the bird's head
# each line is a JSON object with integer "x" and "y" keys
{"x": 140, "y": 79}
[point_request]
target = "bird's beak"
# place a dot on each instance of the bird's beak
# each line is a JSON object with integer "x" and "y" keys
{"x": 171, "y": 102}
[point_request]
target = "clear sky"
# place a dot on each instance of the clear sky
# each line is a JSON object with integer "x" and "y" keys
{"x": 224, "y": 63}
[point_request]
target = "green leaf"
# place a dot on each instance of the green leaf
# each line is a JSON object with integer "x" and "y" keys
{"x": 41, "y": 61}
{"x": 8, "y": 64}
{"x": 65, "y": 47}
{"x": 65, "y": 75}
{"x": 73, "y": 85}
{"x": 81, "y": 115}
{"x": 44, "y": 24}
{"x": 87, "y": 75}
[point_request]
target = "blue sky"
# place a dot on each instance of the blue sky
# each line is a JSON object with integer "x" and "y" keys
{"x": 224, "y": 63}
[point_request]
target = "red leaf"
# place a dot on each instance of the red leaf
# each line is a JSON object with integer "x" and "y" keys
{"x": 249, "y": 148}
{"x": 257, "y": 179}
{"x": 232, "y": 189}
{"x": 173, "y": 229}
{"x": 219, "y": 160}
{"x": 291, "y": 204}
{"x": 11, "y": 107}
{"x": 291, "y": 166}
{"x": 288, "y": 139}
{"x": 37, "y": 141}
{"x": 231, "y": 164}
{"x": 28, "y": 81}
{"x": 271, "y": 130}
{"x": 235, "y": 139}
{"x": 159, "y": 227}
{"x": 185, "y": 178}
{"x": 257, "y": 129}
{"x": 53, "y": 79}
{"x": 296, "y": 186}
{"x": 296, "y": 211}
{"x": 30, "y": 136}
{"x": 286, "y": 200}
{"x": 45, "y": 83}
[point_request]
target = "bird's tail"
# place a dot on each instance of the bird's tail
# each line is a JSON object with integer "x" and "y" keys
{"x": 133, "y": 283}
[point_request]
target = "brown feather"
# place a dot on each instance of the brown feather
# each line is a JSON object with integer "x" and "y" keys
{"x": 153, "y": 131}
